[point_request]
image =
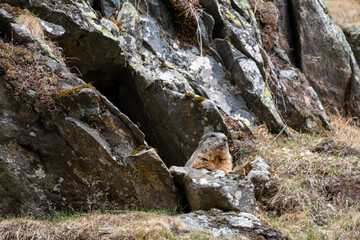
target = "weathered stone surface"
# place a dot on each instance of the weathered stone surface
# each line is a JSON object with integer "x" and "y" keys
{"x": 228, "y": 225}
{"x": 287, "y": 30}
{"x": 50, "y": 164}
{"x": 259, "y": 175}
{"x": 205, "y": 190}
{"x": 352, "y": 34}
{"x": 107, "y": 6}
{"x": 81, "y": 157}
{"x": 254, "y": 90}
{"x": 326, "y": 57}
{"x": 299, "y": 103}
{"x": 158, "y": 80}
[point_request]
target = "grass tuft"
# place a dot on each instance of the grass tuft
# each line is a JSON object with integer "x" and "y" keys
{"x": 318, "y": 193}
{"x": 30, "y": 21}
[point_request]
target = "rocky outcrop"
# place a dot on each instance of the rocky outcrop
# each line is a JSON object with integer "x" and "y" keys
{"x": 64, "y": 145}
{"x": 205, "y": 190}
{"x": 330, "y": 68}
{"x": 229, "y": 224}
{"x": 147, "y": 67}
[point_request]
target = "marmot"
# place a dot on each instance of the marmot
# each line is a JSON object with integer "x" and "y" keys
{"x": 212, "y": 153}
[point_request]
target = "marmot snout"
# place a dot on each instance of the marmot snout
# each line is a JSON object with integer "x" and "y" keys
{"x": 212, "y": 153}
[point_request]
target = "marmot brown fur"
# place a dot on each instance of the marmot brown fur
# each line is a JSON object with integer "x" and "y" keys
{"x": 212, "y": 153}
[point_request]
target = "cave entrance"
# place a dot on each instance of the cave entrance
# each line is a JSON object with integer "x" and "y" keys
{"x": 119, "y": 88}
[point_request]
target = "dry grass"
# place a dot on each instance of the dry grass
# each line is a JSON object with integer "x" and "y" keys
{"x": 188, "y": 13}
{"x": 318, "y": 194}
{"x": 345, "y": 130}
{"x": 32, "y": 23}
{"x": 345, "y": 12}
{"x": 122, "y": 225}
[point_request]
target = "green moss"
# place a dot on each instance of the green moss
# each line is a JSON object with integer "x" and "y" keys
{"x": 189, "y": 95}
{"x": 73, "y": 90}
{"x": 199, "y": 99}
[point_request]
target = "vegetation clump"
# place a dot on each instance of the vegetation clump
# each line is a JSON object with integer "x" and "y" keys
{"x": 267, "y": 15}
{"x": 188, "y": 14}
{"x": 26, "y": 74}
{"x": 30, "y": 21}
{"x": 318, "y": 192}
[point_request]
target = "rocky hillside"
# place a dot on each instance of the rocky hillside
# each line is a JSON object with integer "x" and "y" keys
{"x": 103, "y": 101}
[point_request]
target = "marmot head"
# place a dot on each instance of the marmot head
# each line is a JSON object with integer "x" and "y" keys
{"x": 214, "y": 140}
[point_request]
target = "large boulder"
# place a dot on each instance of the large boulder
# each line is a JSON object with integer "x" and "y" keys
{"x": 228, "y": 225}
{"x": 205, "y": 190}
{"x": 325, "y": 56}
{"x": 64, "y": 145}
{"x": 248, "y": 77}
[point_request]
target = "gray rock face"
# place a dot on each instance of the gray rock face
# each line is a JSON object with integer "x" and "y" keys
{"x": 260, "y": 176}
{"x": 228, "y": 225}
{"x": 249, "y": 78}
{"x": 83, "y": 157}
{"x": 330, "y": 68}
{"x": 352, "y": 34}
{"x": 80, "y": 163}
{"x": 163, "y": 84}
{"x": 299, "y": 103}
{"x": 205, "y": 190}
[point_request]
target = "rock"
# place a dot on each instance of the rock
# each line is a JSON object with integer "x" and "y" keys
{"x": 50, "y": 28}
{"x": 153, "y": 77}
{"x": 259, "y": 175}
{"x": 286, "y": 29}
{"x": 107, "y": 6}
{"x": 352, "y": 34}
{"x": 83, "y": 32}
{"x": 299, "y": 103}
{"x": 205, "y": 190}
{"x": 106, "y": 230}
{"x": 229, "y": 224}
{"x": 330, "y": 68}
{"x": 218, "y": 87}
{"x": 80, "y": 152}
{"x": 253, "y": 88}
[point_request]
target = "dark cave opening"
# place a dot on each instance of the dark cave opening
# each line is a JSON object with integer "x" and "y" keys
{"x": 96, "y": 5}
{"x": 119, "y": 88}
{"x": 294, "y": 37}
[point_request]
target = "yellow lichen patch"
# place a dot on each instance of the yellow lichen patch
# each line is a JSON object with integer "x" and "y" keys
{"x": 74, "y": 90}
